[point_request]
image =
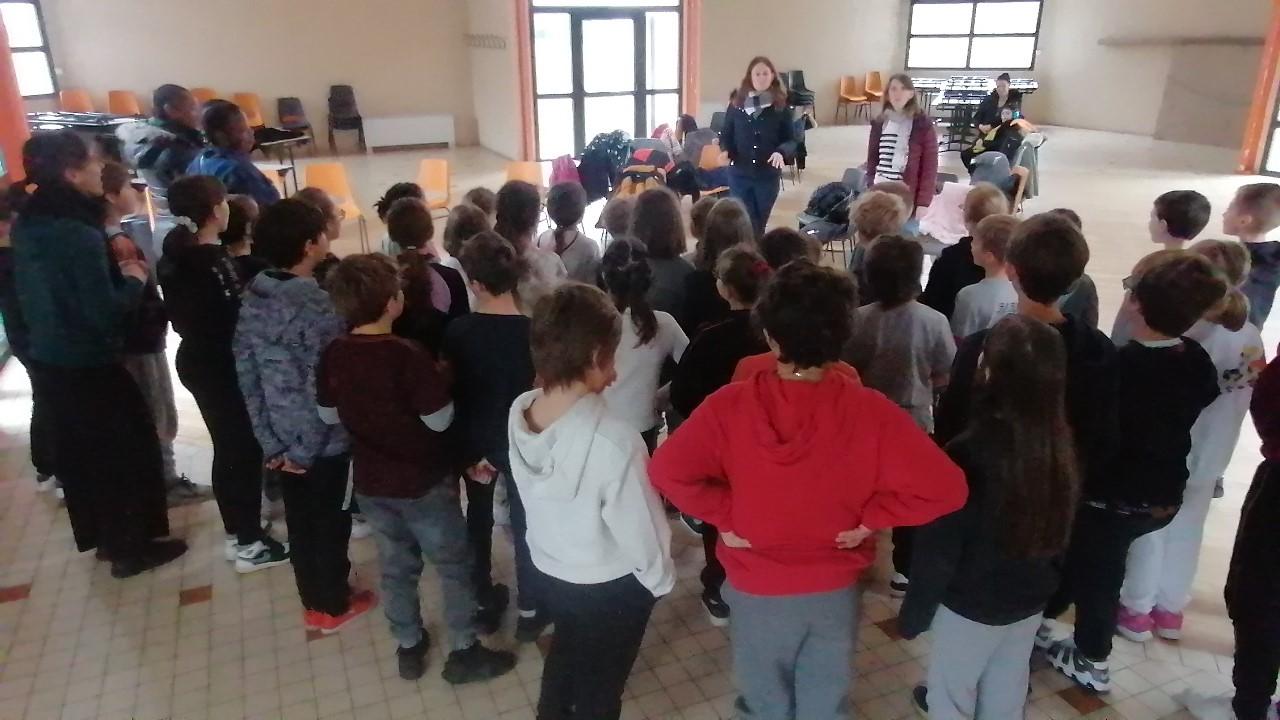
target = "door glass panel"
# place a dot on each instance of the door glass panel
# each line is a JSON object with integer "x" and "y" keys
{"x": 34, "y": 75}
{"x": 555, "y": 127}
{"x": 942, "y": 19}
{"x": 608, "y": 56}
{"x": 1012, "y": 53}
{"x": 998, "y": 18}
{"x": 662, "y": 50}
{"x": 22, "y": 24}
{"x": 1273, "y": 153}
{"x": 552, "y": 53}
{"x": 606, "y": 114}
{"x": 933, "y": 52}
{"x": 661, "y": 108}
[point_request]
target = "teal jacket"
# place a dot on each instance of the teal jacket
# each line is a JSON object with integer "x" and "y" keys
{"x": 73, "y": 297}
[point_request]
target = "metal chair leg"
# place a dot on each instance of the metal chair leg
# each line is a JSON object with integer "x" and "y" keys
{"x": 364, "y": 235}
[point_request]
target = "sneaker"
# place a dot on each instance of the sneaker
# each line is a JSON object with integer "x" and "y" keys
{"x": 476, "y": 663}
{"x": 1067, "y": 659}
{"x": 920, "y": 700}
{"x": 45, "y": 483}
{"x": 57, "y": 490}
{"x": 1044, "y": 636}
{"x": 361, "y": 603}
{"x": 360, "y": 528}
{"x": 1134, "y": 625}
{"x": 692, "y": 524}
{"x": 531, "y": 624}
{"x": 413, "y": 660}
{"x": 181, "y": 491}
{"x": 153, "y": 555}
{"x": 261, "y": 555}
{"x": 490, "y": 604}
{"x": 898, "y": 585}
{"x": 311, "y": 619}
{"x": 1168, "y": 625}
{"x": 717, "y": 608}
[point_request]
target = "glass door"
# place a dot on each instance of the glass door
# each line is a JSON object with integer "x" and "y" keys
{"x": 603, "y": 68}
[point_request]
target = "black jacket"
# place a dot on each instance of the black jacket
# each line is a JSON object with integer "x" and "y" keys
{"x": 988, "y": 112}
{"x": 751, "y": 140}
{"x": 703, "y": 305}
{"x": 202, "y": 296}
{"x": 708, "y": 363}
{"x": 953, "y": 271}
{"x": 960, "y": 560}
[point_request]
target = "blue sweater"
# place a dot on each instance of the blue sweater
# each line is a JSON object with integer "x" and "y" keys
{"x": 237, "y": 172}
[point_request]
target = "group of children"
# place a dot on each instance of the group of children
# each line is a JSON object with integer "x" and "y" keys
{"x": 1023, "y": 461}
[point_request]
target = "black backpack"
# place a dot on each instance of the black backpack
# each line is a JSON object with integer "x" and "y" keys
{"x": 831, "y": 203}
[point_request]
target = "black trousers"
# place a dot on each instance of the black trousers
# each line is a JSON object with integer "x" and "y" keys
{"x": 1253, "y": 595}
{"x": 42, "y": 444}
{"x": 598, "y": 633}
{"x": 111, "y": 472}
{"x": 319, "y": 531}
{"x": 713, "y": 572}
{"x": 904, "y": 541}
{"x": 237, "y": 457}
{"x": 480, "y": 533}
{"x": 1094, "y": 573}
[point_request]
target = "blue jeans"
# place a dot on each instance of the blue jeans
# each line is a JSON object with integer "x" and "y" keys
{"x": 405, "y": 530}
{"x": 758, "y": 192}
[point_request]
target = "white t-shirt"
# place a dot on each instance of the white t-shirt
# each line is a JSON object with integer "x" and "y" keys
{"x": 633, "y": 396}
{"x": 1239, "y": 357}
{"x": 981, "y": 305}
{"x": 546, "y": 273}
{"x": 581, "y": 258}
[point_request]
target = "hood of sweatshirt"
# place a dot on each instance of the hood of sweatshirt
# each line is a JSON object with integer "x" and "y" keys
{"x": 555, "y": 459}
{"x": 280, "y": 300}
{"x": 142, "y": 141}
{"x": 790, "y": 418}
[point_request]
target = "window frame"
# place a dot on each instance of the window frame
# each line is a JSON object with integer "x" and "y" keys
{"x": 48, "y": 51}
{"x": 970, "y": 36}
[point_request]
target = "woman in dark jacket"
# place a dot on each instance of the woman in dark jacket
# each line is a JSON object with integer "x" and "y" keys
{"x": 759, "y": 136}
{"x": 903, "y": 144}
{"x": 988, "y": 113}
{"x": 75, "y": 300}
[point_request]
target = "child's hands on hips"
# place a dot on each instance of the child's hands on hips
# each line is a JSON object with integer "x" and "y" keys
{"x": 730, "y": 539}
{"x": 850, "y": 539}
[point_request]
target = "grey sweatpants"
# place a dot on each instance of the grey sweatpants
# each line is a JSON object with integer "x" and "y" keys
{"x": 979, "y": 671}
{"x": 793, "y": 654}
{"x": 151, "y": 373}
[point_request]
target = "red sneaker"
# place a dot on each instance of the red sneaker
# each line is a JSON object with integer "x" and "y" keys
{"x": 1168, "y": 625}
{"x": 361, "y": 603}
{"x": 1137, "y": 627}
{"x": 311, "y": 619}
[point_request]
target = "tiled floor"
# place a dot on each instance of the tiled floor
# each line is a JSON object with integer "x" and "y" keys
{"x": 195, "y": 640}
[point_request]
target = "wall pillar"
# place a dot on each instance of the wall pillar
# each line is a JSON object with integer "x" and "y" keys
{"x": 13, "y": 121}
{"x": 1258, "y": 125}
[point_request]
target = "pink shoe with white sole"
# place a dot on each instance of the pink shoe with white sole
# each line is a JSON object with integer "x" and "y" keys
{"x": 1134, "y": 626}
{"x": 1168, "y": 625}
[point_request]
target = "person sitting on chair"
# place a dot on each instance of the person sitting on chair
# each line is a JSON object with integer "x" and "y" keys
{"x": 1005, "y": 137}
{"x": 988, "y": 115}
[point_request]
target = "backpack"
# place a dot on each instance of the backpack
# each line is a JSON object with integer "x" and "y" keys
{"x": 602, "y": 162}
{"x": 831, "y": 203}
{"x": 638, "y": 178}
{"x": 563, "y": 170}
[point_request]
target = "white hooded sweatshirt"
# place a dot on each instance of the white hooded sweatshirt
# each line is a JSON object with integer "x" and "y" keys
{"x": 593, "y": 516}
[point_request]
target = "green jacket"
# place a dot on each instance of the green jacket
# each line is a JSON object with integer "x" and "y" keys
{"x": 73, "y": 298}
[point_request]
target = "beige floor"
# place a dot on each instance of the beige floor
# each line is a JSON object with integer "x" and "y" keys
{"x": 194, "y": 640}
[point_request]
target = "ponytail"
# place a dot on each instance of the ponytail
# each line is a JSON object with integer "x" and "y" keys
{"x": 627, "y": 276}
{"x": 1233, "y": 312}
{"x": 744, "y": 272}
{"x": 416, "y": 271}
{"x": 566, "y": 204}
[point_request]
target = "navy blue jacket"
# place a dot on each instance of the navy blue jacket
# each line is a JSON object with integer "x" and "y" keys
{"x": 751, "y": 140}
{"x": 237, "y": 172}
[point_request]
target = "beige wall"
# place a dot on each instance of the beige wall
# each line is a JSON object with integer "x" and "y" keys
{"x": 496, "y": 87}
{"x": 402, "y": 56}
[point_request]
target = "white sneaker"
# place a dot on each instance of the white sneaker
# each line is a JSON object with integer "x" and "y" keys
{"x": 1207, "y": 707}
{"x": 231, "y": 549}
{"x": 261, "y": 555}
{"x": 360, "y": 528}
{"x": 45, "y": 483}
{"x": 58, "y": 492}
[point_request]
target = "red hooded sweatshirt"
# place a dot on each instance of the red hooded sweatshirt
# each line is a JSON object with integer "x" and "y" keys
{"x": 788, "y": 465}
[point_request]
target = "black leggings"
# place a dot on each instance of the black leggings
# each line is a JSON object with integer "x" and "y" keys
{"x": 319, "y": 532}
{"x": 42, "y": 444}
{"x": 237, "y": 457}
{"x": 480, "y": 535}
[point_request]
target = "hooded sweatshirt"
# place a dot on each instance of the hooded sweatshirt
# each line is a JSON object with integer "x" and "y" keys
{"x": 789, "y": 465}
{"x": 593, "y": 517}
{"x": 161, "y": 151}
{"x": 285, "y": 323}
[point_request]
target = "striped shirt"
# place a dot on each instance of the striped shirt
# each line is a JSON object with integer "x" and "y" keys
{"x": 896, "y": 130}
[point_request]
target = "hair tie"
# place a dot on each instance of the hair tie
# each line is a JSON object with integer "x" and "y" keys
{"x": 761, "y": 268}
{"x": 187, "y": 223}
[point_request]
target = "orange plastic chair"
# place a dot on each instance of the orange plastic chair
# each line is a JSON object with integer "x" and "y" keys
{"x": 204, "y": 94}
{"x": 710, "y": 160}
{"x": 852, "y": 92}
{"x": 123, "y": 102}
{"x": 75, "y": 100}
{"x": 251, "y": 104}
{"x": 433, "y": 178}
{"x": 526, "y": 170}
{"x": 874, "y": 87}
{"x": 331, "y": 177}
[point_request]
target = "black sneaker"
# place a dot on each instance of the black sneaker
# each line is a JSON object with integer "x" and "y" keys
{"x": 1067, "y": 659}
{"x": 476, "y": 663}
{"x": 530, "y": 627}
{"x": 717, "y": 608}
{"x": 490, "y": 604}
{"x": 413, "y": 660}
{"x": 153, "y": 555}
{"x": 920, "y": 700}
{"x": 261, "y": 555}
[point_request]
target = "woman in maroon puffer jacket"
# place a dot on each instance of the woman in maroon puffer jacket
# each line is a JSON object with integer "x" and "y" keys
{"x": 903, "y": 144}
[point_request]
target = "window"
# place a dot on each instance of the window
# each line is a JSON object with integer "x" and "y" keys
{"x": 957, "y": 35}
{"x": 30, "y": 45}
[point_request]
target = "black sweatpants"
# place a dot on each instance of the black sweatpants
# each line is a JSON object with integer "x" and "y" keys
{"x": 42, "y": 443}
{"x": 1253, "y": 584}
{"x": 319, "y": 531}
{"x": 713, "y": 572}
{"x": 237, "y": 457}
{"x": 1094, "y": 573}
{"x": 597, "y": 637}
{"x": 480, "y": 533}
{"x": 903, "y": 545}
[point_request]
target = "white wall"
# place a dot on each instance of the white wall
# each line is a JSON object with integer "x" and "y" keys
{"x": 495, "y": 78}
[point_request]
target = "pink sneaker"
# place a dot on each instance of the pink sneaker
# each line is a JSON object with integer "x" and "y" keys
{"x": 1168, "y": 625}
{"x": 1137, "y": 627}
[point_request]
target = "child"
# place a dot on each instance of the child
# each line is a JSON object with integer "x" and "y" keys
{"x": 698, "y": 224}
{"x": 333, "y": 219}
{"x": 465, "y": 222}
{"x": 488, "y": 353}
{"x": 143, "y": 351}
{"x": 616, "y": 217}
{"x": 398, "y": 191}
{"x": 797, "y": 467}
{"x": 728, "y": 226}
{"x": 227, "y": 157}
{"x": 389, "y": 395}
{"x": 903, "y": 349}
{"x": 981, "y": 305}
{"x": 911, "y": 227}
{"x": 484, "y": 199}
{"x": 286, "y": 322}
{"x": 873, "y": 215}
{"x": 597, "y": 531}
{"x": 657, "y": 225}
{"x": 781, "y": 245}
{"x": 566, "y": 204}
{"x": 434, "y": 295}
{"x": 649, "y": 337}
{"x": 954, "y": 269}
{"x": 238, "y": 237}
{"x": 708, "y": 365}
{"x": 1254, "y": 212}
{"x": 518, "y": 206}
{"x": 1082, "y": 299}
{"x": 1162, "y": 565}
{"x": 993, "y": 565}
{"x": 1162, "y": 383}
{"x": 1177, "y": 217}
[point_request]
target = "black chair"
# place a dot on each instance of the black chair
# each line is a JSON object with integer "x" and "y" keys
{"x": 797, "y": 94}
{"x": 294, "y": 117}
{"x": 343, "y": 113}
{"x": 717, "y": 121}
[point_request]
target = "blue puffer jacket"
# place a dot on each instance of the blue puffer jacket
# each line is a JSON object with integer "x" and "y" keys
{"x": 285, "y": 324}
{"x": 237, "y": 172}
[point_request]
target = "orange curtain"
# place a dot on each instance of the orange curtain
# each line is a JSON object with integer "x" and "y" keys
{"x": 692, "y": 49}
{"x": 1258, "y": 125}
{"x": 13, "y": 123}
{"x": 524, "y": 60}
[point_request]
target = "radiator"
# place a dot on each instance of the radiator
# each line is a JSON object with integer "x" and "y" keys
{"x": 408, "y": 131}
